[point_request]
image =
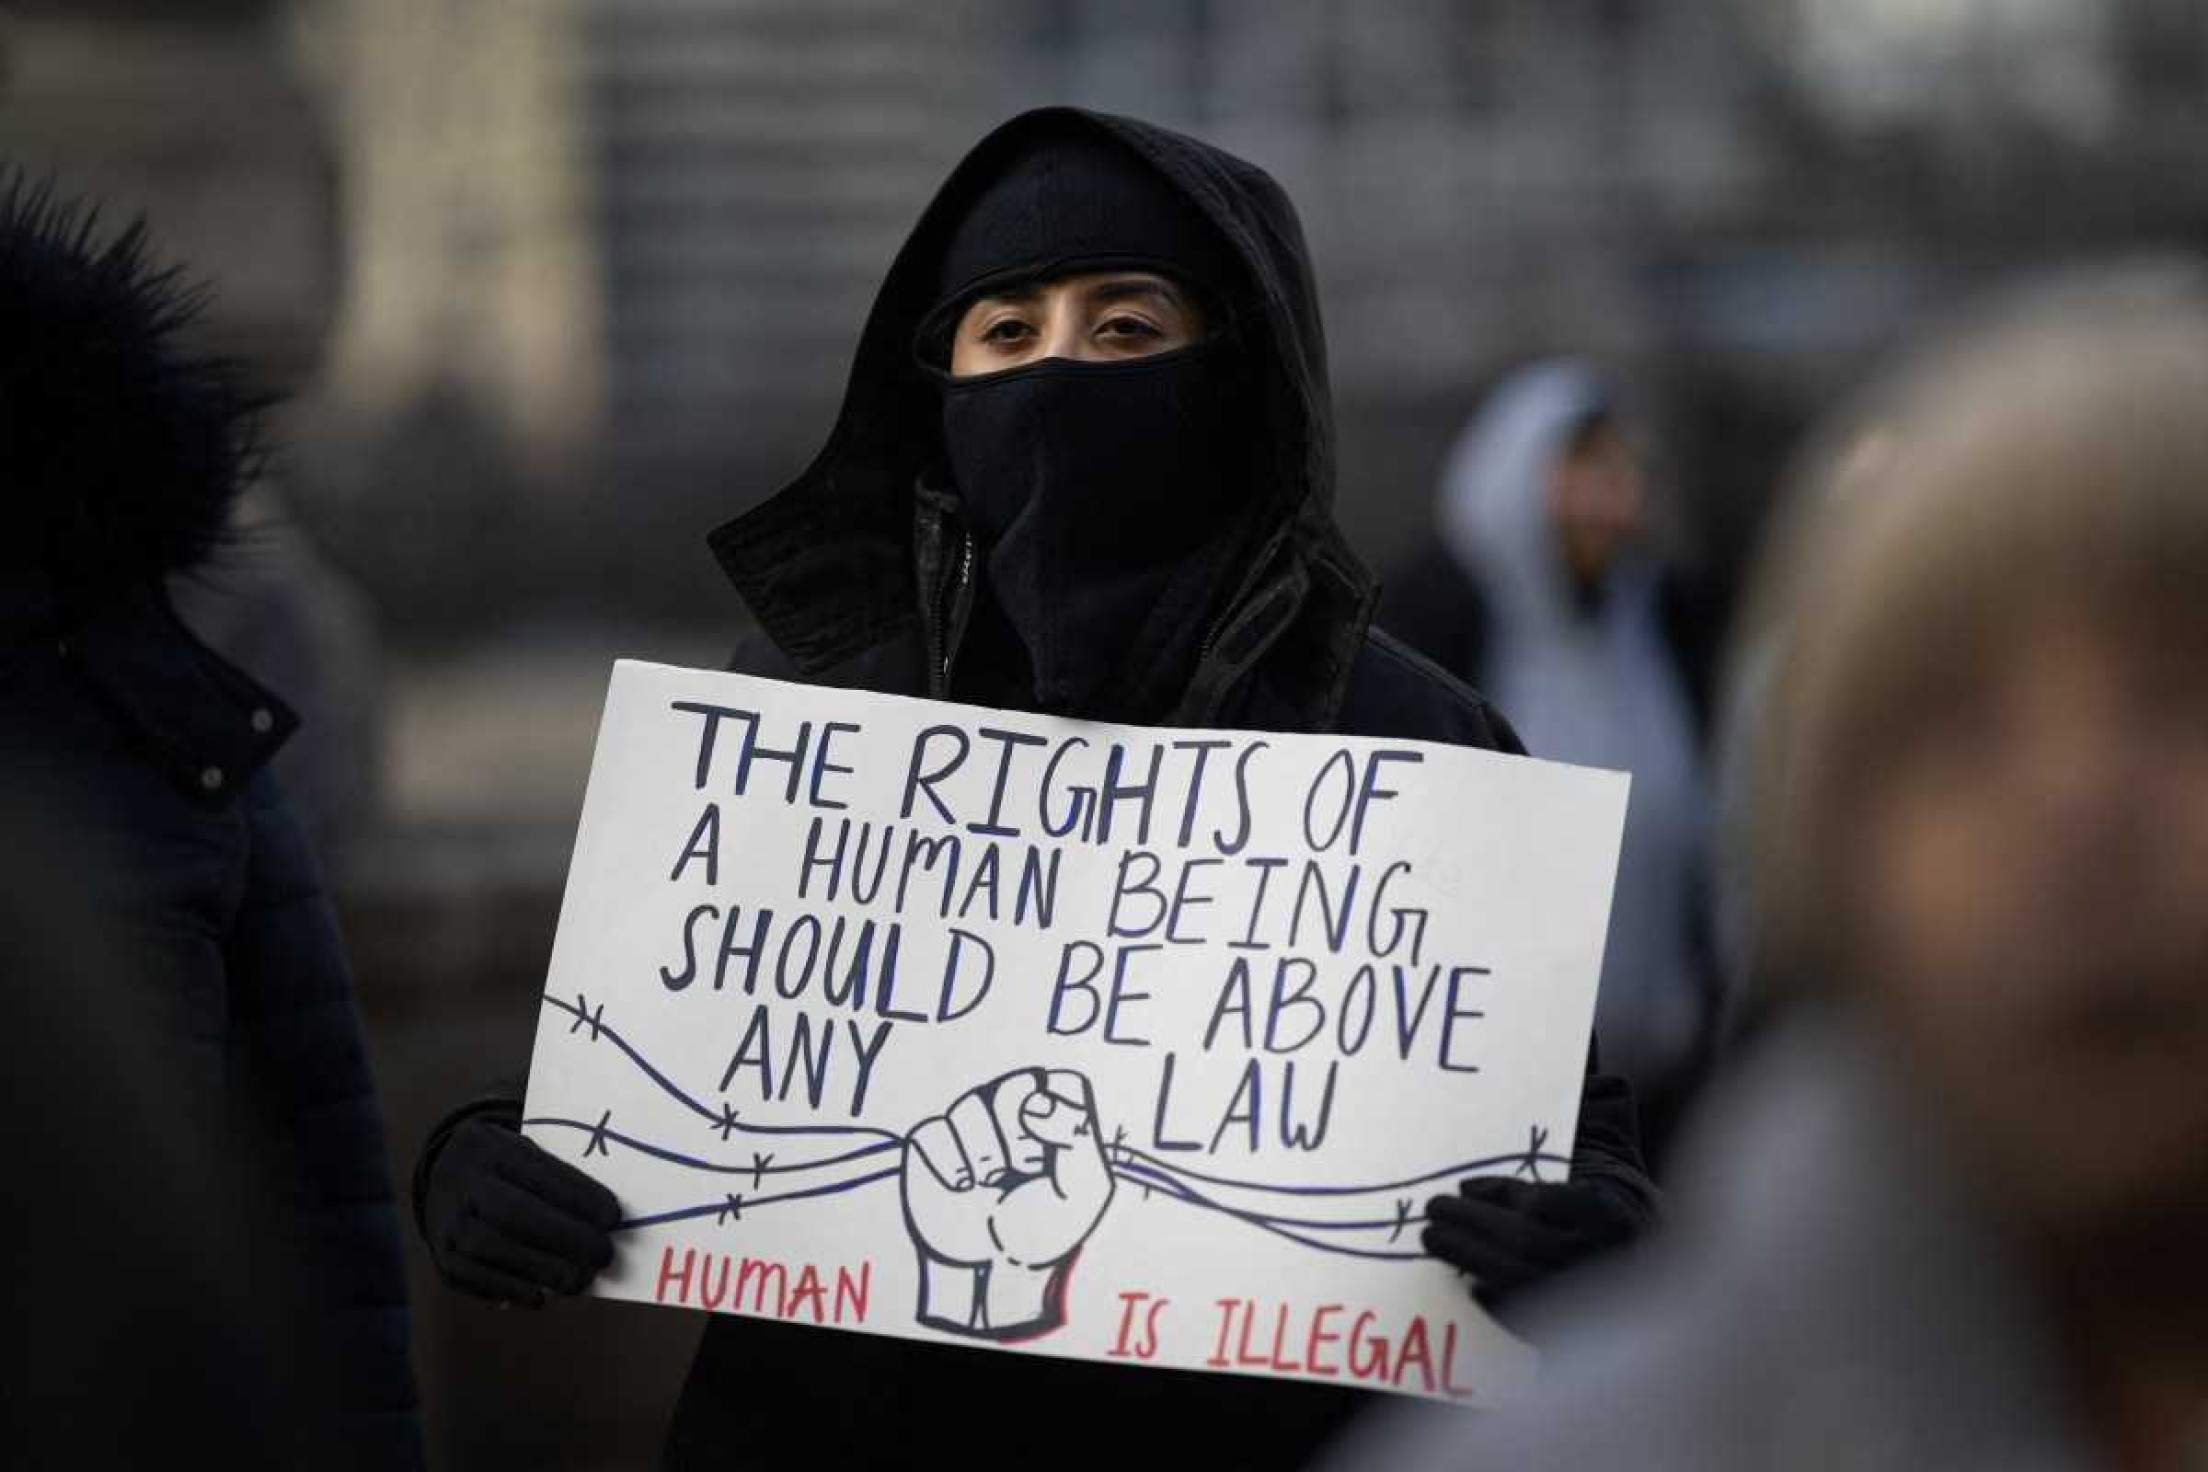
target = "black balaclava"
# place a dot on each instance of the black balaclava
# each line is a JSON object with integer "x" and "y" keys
{"x": 1111, "y": 498}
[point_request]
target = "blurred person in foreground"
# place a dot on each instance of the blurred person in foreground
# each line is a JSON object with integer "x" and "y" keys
{"x": 1541, "y": 588}
{"x": 121, "y": 453}
{"x": 1084, "y": 466}
{"x": 1956, "y": 1214}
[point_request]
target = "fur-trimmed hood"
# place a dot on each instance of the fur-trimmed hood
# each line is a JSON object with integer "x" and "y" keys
{"x": 121, "y": 449}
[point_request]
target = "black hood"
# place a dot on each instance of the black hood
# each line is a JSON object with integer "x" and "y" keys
{"x": 827, "y": 565}
{"x": 121, "y": 451}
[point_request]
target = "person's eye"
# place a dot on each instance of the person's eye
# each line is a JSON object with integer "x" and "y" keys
{"x": 1130, "y": 328}
{"x": 1005, "y": 331}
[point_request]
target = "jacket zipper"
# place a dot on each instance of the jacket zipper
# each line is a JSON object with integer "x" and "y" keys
{"x": 956, "y": 614}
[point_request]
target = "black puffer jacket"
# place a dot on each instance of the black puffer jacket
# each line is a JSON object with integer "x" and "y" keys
{"x": 859, "y": 578}
{"x": 120, "y": 457}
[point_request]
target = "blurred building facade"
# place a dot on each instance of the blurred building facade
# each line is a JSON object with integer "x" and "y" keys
{"x": 1738, "y": 203}
{"x": 603, "y": 261}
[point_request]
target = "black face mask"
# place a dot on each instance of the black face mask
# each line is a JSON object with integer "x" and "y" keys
{"x": 1110, "y": 507}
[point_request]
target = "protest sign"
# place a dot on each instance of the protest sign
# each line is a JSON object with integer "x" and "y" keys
{"x": 889, "y": 1014}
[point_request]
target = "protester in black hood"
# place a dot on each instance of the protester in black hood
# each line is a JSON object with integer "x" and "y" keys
{"x": 121, "y": 454}
{"x": 1090, "y": 408}
{"x": 1200, "y": 479}
{"x": 1083, "y": 466}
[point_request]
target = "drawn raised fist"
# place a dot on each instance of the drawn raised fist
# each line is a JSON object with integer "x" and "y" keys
{"x": 1000, "y": 1191}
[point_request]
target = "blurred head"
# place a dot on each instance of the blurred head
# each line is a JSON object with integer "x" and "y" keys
{"x": 1984, "y": 807}
{"x": 122, "y": 446}
{"x": 1598, "y": 497}
{"x": 1545, "y": 493}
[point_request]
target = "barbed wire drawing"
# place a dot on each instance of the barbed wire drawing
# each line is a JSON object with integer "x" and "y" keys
{"x": 1000, "y": 1191}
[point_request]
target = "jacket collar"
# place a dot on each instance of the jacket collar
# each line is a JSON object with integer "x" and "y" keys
{"x": 1283, "y": 649}
{"x": 824, "y": 586}
{"x": 207, "y": 724}
{"x": 1289, "y": 639}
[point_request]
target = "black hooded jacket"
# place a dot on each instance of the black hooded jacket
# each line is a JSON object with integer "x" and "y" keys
{"x": 861, "y": 578}
{"x": 140, "y": 758}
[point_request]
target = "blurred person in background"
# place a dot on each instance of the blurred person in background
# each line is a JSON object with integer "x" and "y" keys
{"x": 122, "y": 454}
{"x": 1540, "y": 590}
{"x": 1084, "y": 466}
{"x": 1955, "y": 1215}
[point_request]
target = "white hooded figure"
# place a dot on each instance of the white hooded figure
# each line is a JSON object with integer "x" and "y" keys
{"x": 1556, "y": 616}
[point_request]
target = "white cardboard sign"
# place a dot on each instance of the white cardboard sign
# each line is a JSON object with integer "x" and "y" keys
{"x": 1119, "y": 1043}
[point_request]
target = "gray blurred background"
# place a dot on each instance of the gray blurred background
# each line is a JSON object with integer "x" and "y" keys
{"x": 556, "y": 285}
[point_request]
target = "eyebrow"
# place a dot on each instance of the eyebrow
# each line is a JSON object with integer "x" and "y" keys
{"x": 1113, "y": 291}
{"x": 1110, "y": 291}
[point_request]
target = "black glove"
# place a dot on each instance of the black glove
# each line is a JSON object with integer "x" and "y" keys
{"x": 510, "y": 1222}
{"x": 1510, "y": 1234}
